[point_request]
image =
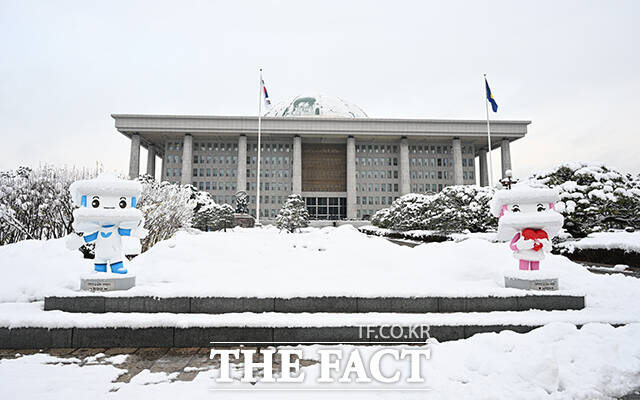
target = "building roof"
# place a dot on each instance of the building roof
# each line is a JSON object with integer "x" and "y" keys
{"x": 317, "y": 105}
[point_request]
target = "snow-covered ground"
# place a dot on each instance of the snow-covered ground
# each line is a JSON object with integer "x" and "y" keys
{"x": 329, "y": 261}
{"x": 264, "y": 262}
{"x": 557, "y": 361}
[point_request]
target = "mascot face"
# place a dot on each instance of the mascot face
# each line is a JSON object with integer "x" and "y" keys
{"x": 523, "y": 208}
{"x": 105, "y": 201}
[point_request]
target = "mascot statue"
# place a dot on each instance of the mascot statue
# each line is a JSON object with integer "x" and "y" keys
{"x": 527, "y": 218}
{"x": 107, "y": 212}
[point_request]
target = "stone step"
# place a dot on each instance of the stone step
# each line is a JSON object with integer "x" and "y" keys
{"x": 41, "y": 338}
{"x": 222, "y": 305}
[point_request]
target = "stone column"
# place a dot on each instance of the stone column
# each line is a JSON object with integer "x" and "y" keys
{"x": 351, "y": 177}
{"x": 134, "y": 156}
{"x": 151, "y": 161}
{"x": 405, "y": 178}
{"x": 296, "y": 186}
{"x": 457, "y": 162}
{"x": 242, "y": 163}
{"x": 187, "y": 159}
{"x": 506, "y": 156}
{"x": 484, "y": 174}
{"x": 163, "y": 168}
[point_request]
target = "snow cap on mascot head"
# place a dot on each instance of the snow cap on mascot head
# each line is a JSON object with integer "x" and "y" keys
{"x": 525, "y": 207}
{"x": 105, "y": 200}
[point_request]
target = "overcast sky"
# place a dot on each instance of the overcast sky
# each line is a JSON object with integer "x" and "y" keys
{"x": 571, "y": 67}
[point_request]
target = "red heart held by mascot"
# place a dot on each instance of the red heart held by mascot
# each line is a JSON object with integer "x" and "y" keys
{"x": 530, "y": 234}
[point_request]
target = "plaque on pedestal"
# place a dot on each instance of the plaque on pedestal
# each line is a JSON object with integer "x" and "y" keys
{"x": 530, "y": 280}
{"x": 244, "y": 220}
{"x": 106, "y": 282}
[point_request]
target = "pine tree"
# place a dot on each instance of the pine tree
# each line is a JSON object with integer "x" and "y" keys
{"x": 242, "y": 204}
{"x": 594, "y": 197}
{"x": 454, "y": 209}
{"x": 293, "y": 214}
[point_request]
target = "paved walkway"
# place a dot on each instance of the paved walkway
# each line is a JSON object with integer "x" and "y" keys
{"x": 186, "y": 362}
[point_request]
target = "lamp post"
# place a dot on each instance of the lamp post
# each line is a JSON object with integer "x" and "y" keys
{"x": 507, "y": 181}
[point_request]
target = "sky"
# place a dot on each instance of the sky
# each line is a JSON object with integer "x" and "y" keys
{"x": 571, "y": 67}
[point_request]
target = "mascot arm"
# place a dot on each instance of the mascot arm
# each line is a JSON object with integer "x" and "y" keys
{"x": 522, "y": 244}
{"x": 90, "y": 237}
{"x": 74, "y": 241}
{"x": 132, "y": 224}
{"x": 124, "y": 232}
{"x": 133, "y": 228}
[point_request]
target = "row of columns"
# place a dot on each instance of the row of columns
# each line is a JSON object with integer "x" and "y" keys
{"x": 505, "y": 152}
{"x": 405, "y": 178}
{"x": 134, "y": 158}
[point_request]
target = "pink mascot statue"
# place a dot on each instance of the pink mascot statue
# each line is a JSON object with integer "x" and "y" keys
{"x": 528, "y": 219}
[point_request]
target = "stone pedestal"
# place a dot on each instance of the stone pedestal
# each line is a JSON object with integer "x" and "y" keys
{"x": 106, "y": 282}
{"x": 244, "y": 220}
{"x": 533, "y": 282}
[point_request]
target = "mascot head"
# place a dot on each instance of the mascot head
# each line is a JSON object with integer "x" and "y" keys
{"x": 525, "y": 207}
{"x": 105, "y": 200}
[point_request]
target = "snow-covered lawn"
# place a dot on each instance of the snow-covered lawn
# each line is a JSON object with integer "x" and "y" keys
{"x": 319, "y": 262}
{"x": 264, "y": 262}
{"x": 557, "y": 361}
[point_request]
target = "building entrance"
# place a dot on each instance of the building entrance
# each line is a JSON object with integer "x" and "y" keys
{"x": 331, "y": 208}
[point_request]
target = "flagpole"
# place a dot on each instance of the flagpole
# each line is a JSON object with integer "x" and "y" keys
{"x": 486, "y": 105}
{"x": 259, "y": 144}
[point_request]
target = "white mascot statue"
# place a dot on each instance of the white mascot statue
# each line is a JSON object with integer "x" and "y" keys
{"x": 528, "y": 219}
{"x": 107, "y": 212}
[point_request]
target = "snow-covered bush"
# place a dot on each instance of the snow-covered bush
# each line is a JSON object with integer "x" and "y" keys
{"x": 166, "y": 207}
{"x": 214, "y": 217}
{"x": 293, "y": 214}
{"x": 209, "y": 216}
{"x": 594, "y": 197}
{"x": 36, "y": 204}
{"x": 242, "y": 204}
{"x": 454, "y": 209}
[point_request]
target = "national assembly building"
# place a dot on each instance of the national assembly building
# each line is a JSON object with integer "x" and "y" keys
{"x": 343, "y": 163}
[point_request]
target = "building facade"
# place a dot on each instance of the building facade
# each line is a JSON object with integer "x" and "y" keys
{"x": 344, "y": 167}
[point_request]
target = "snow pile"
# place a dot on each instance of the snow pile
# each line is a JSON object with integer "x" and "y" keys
{"x": 33, "y": 267}
{"x": 454, "y": 209}
{"x": 317, "y": 105}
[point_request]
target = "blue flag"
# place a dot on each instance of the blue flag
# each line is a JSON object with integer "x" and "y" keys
{"x": 494, "y": 105}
